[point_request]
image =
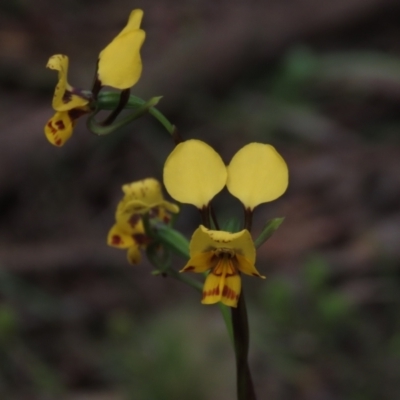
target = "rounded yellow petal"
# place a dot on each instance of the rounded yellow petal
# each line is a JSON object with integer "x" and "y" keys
{"x": 64, "y": 99}
{"x": 205, "y": 240}
{"x": 59, "y": 128}
{"x": 257, "y": 174}
{"x": 134, "y": 257}
{"x": 194, "y": 173}
{"x": 120, "y": 238}
{"x": 120, "y": 64}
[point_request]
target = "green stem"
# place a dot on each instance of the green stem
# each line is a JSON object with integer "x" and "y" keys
{"x": 245, "y": 389}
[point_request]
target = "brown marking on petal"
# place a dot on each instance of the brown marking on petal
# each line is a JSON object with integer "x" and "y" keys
{"x": 116, "y": 240}
{"x": 166, "y": 219}
{"x": 211, "y": 292}
{"x": 141, "y": 239}
{"x": 189, "y": 268}
{"x": 51, "y": 127}
{"x": 254, "y": 274}
{"x": 67, "y": 97}
{"x": 229, "y": 293}
{"x": 58, "y": 142}
{"x": 75, "y": 113}
{"x": 60, "y": 125}
{"x": 134, "y": 219}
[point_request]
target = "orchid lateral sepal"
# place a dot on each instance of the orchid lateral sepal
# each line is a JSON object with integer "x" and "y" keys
{"x": 95, "y": 127}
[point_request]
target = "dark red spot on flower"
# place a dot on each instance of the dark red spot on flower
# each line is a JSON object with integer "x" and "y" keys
{"x": 134, "y": 219}
{"x": 58, "y": 142}
{"x": 141, "y": 239}
{"x": 60, "y": 125}
{"x": 51, "y": 127}
{"x": 116, "y": 240}
{"x": 189, "y": 268}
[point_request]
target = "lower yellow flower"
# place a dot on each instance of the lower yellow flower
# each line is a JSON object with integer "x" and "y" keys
{"x": 140, "y": 198}
{"x": 225, "y": 254}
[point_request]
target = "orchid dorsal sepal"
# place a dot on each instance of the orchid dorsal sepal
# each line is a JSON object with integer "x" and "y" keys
{"x": 95, "y": 127}
{"x": 270, "y": 227}
{"x": 120, "y": 64}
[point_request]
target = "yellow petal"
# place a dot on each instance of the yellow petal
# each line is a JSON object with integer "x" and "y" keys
{"x": 63, "y": 98}
{"x": 194, "y": 173}
{"x": 247, "y": 267}
{"x": 133, "y": 255}
{"x": 257, "y": 174}
{"x": 120, "y": 65}
{"x": 59, "y": 128}
{"x": 119, "y": 238}
{"x": 199, "y": 263}
{"x": 204, "y": 239}
{"x": 221, "y": 288}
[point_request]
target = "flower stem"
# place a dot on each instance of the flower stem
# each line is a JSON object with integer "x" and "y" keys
{"x": 245, "y": 389}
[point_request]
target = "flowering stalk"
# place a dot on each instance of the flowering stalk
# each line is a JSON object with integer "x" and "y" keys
{"x": 244, "y": 383}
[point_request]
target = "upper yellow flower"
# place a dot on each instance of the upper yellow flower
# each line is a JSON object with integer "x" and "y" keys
{"x": 120, "y": 65}
{"x": 67, "y": 103}
{"x": 194, "y": 173}
{"x": 225, "y": 255}
{"x": 141, "y": 197}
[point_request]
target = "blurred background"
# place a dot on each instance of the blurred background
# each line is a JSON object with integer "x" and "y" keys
{"x": 318, "y": 79}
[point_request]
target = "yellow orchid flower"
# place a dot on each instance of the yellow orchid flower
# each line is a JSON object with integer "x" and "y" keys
{"x": 225, "y": 254}
{"x": 67, "y": 102}
{"x": 194, "y": 173}
{"x": 120, "y": 64}
{"x": 141, "y": 197}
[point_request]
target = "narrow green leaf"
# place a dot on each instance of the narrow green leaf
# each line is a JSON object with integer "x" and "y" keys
{"x": 270, "y": 227}
{"x": 109, "y": 100}
{"x": 100, "y": 130}
{"x": 172, "y": 239}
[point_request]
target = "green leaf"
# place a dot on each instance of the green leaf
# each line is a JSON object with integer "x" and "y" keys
{"x": 100, "y": 130}
{"x": 172, "y": 239}
{"x": 109, "y": 100}
{"x": 270, "y": 227}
